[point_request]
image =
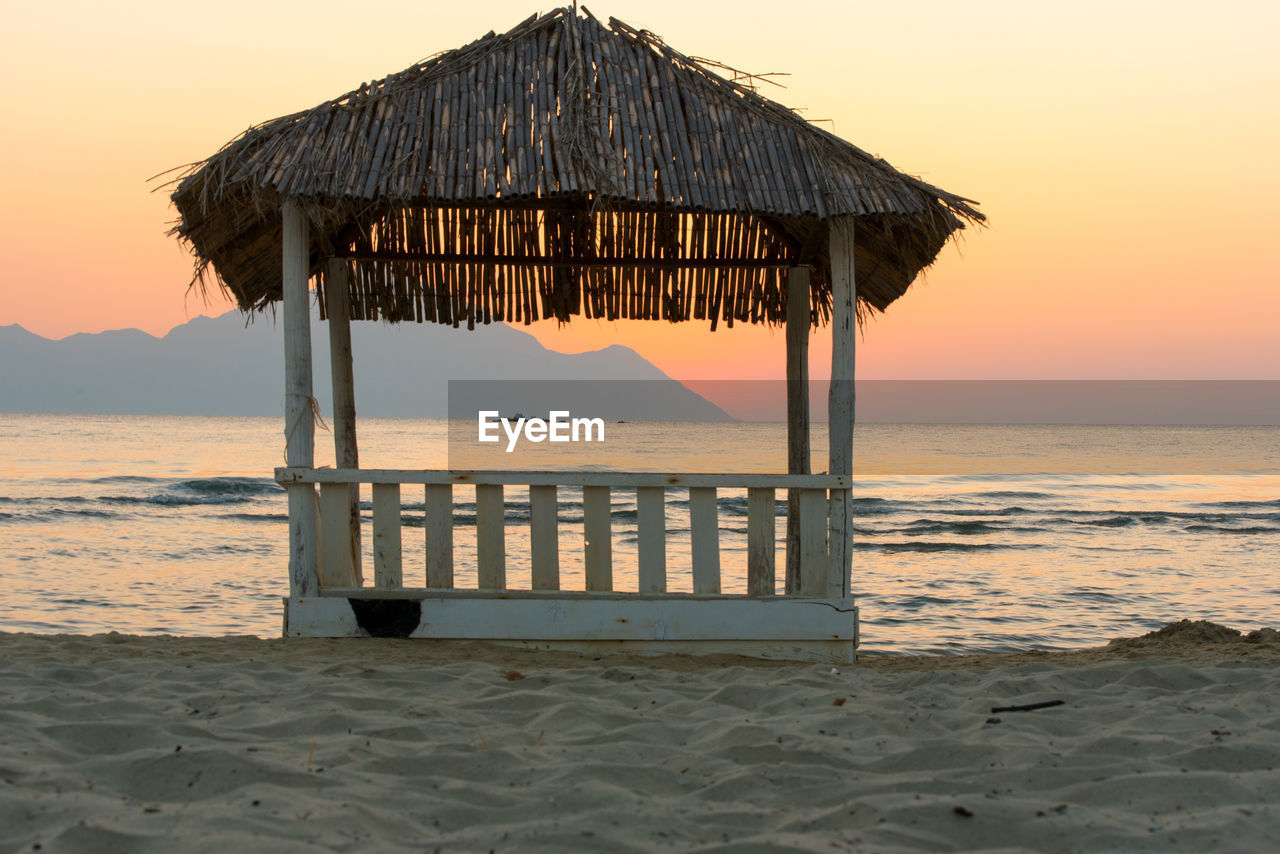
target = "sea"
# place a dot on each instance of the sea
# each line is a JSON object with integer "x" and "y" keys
{"x": 967, "y": 538}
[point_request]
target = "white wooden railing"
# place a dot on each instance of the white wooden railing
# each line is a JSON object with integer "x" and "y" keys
{"x": 819, "y": 575}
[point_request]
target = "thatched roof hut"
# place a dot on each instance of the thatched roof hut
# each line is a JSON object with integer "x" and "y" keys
{"x": 564, "y": 168}
{"x": 558, "y": 169}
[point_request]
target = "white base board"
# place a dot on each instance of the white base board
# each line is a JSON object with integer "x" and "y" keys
{"x": 785, "y": 628}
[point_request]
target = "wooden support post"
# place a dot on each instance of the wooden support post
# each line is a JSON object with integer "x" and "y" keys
{"x": 491, "y": 550}
{"x": 299, "y": 428}
{"x": 544, "y": 537}
{"x": 439, "y": 532}
{"x": 651, "y": 525}
{"x": 346, "y": 454}
{"x": 704, "y": 535}
{"x": 598, "y": 535}
{"x": 761, "y": 542}
{"x": 840, "y": 401}
{"x": 798, "y": 323}
{"x": 387, "y": 570}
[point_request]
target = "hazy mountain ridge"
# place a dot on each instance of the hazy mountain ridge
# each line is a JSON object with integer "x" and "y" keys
{"x": 221, "y": 366}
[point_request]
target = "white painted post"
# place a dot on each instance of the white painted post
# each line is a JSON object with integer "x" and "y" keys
{"x": 840, "y": 401}
{"x": 761, "y": 542}
{"x": 299, "y": 428}
{"x": 798, "y": 322}
{"x": 439, "y": 533}
{"x": 598, "y": 536}
{"x": 346, "y": 454}
{"x": 704, "y": 535}
{"x": 491, "y": 552}
{"x": 544, "y": 537}
{"x": 387, "y": 570}
{"x": 651, "y": 525}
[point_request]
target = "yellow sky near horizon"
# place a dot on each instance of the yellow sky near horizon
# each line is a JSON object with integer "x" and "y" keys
{"x": 1124, "y": 152}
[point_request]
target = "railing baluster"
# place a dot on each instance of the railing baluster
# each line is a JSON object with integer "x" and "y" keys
{"x": 651, "y": 522}
{"x": 337, "y": 568}
{"x": 762, "y": 526}
{"x": 387, "y": 570}
{"x": 544, "y": 537}
{"x": 316, "y": 538}
{"x": 704, "y": 525}
{"x": 813, "y": 542}
{"x": 839, "y": 542}
{"x": 491, "y": 553}
{"x": 439, "y": 533}
{"x": 598, "y": 534}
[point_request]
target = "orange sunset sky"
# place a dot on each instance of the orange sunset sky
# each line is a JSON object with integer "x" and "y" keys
{"x": 1124, "y": 151}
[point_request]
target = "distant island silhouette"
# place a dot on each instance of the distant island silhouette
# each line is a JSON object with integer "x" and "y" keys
{"x": 220, "y": 366}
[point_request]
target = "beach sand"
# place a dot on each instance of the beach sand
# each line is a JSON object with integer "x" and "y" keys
{"x": 115, "y": 743}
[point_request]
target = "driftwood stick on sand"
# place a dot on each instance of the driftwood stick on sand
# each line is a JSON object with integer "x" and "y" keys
{"x": 1029, "y": 707}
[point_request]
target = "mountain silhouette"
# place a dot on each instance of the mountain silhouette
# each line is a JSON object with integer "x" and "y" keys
{"x": 225, "y": 366}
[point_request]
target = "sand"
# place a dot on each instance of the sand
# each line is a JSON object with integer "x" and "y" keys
{"x": 1169, "y": 742}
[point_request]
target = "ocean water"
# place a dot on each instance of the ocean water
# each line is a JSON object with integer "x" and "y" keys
{"x": 967, "y": 538}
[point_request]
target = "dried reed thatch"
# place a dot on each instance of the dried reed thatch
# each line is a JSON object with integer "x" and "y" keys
{"x": 561, "y": 168}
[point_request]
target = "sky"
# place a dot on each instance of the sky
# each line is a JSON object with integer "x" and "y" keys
{"x": 1124, "y": 152}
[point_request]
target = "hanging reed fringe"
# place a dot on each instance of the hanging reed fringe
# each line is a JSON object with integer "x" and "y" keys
{"x": 484, "y": 265}
{"x": 560, "y": 169}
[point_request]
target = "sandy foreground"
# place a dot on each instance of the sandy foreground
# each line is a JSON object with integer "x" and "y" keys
{"x": 1169, "y": 742}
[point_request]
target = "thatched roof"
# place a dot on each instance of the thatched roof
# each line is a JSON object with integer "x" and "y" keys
{"x": 561, "y": 168}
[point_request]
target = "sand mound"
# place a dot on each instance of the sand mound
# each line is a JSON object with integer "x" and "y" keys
{"x": 1186, "y": 632}
{"x": 1195, "y": 637}
{"x": 1268, "y": 636}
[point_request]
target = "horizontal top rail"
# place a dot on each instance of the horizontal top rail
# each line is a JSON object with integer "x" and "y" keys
{"x": 298, "y": 474}
{"x": 420, "y": 593}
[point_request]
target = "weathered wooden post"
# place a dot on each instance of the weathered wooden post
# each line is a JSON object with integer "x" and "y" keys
{"x": 798, "y": 323}
{"x": 346, "y": 452}
{"x": 299, "y": 428}
{"x": 840, "y": 401}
